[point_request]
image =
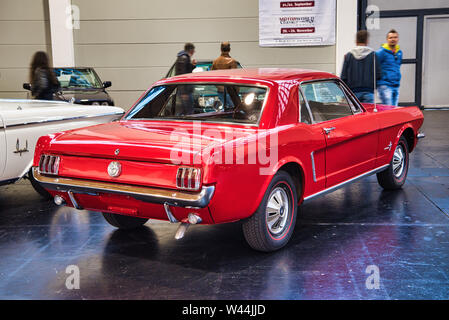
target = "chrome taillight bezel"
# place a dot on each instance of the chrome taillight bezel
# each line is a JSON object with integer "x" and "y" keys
{"x": 188, "y": 178}
{"x": 49, "y": 164}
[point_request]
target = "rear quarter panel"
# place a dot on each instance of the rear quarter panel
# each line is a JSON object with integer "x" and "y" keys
{"x": 393, "y": 121}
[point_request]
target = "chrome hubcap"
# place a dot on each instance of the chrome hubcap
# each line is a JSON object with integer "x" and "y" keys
{"x": 398, "y": 161}
{"x": 277, "y": 211}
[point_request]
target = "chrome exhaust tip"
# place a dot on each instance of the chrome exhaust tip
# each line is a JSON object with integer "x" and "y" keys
{"x": 194, "y": 219}
{"x": 59, "y": 201}
{"x": 181, "y": 230}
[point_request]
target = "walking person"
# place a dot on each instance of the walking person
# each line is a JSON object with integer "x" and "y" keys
{"x": 185, "y": 64}
{"x": 42, "y": 78}
{"x": 390, "y": 58}
{"x": 358, "y": 69}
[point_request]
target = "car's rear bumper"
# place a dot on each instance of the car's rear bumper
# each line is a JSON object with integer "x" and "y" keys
{"x": 175, "y": 198}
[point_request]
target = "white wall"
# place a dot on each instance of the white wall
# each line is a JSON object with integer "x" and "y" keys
{"x": 409, "y": 4}
{"x": 24, "y": 29}
{"x": 346, "y": 30}
{"x": 134, "y": 43}
{"x": 61, "y": 33}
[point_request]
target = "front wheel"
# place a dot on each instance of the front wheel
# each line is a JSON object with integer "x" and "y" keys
{"x": 395, "y": 175}
{"x": 123, "y": 222}
{"x": 271, "y": 226}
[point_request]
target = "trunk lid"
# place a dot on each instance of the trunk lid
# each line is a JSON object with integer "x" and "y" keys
{"x": 146, "y": 141}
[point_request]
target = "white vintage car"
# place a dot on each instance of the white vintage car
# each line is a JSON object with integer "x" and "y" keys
{"x": 22, "y": 122}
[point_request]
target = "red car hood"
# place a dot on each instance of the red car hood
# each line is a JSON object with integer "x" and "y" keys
{"x": 152, "y": 141}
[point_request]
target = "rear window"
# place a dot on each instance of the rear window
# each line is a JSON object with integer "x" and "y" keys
{"x": 204, "y": 102}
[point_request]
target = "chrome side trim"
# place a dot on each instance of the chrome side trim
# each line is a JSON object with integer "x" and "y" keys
{"x": 64, "y": 119}
{"x": 340, "y": 185}
{"x": 174, "y": 198}
{"x": 313, "y": 166}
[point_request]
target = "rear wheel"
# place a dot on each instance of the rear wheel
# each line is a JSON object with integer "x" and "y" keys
{"x": 395, "y": 175}
{"x": 271, "y": 226}
{"x": 124, "y": 222}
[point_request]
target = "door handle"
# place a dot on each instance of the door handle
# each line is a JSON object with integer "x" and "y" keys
{"x": 329, "y": 130}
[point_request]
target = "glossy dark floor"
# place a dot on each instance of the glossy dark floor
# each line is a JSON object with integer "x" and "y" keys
{"x": 404, "y": 233}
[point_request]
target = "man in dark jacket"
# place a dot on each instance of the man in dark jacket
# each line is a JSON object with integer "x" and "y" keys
{"x": 184, "y": 64}
{"x": 359, "y": 67}
{"x": 390, "y": 58}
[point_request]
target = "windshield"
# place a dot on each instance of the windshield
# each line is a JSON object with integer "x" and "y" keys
{"x": 77, "y": 78}
{"x": 205, "y": 102}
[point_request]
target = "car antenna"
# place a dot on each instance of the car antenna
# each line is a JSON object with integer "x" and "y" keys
{"x": 375, "y": 80}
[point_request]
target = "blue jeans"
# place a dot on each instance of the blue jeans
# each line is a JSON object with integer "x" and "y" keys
{"x": 389, "y": 95}
{"x": 365, "y": 96}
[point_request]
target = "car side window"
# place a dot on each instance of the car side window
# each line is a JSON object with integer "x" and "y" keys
{"x": 326, "y": 100}
{"x": 304, "y": 112}
{"x": 354, "y": 106}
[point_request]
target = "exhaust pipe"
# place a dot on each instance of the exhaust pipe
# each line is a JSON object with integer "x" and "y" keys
{"x": 59, "y": 201}
{"x": 192, "y": 219}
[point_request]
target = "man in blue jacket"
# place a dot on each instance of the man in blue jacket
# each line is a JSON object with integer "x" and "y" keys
{"x": 390, "y": 58}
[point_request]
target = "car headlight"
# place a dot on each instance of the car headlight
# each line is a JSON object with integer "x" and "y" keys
{"x": 95, "y": 103}
{"x": 105, "y": 103}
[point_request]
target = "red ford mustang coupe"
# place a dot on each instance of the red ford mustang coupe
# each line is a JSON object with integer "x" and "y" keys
{"x": 222, "y": 146}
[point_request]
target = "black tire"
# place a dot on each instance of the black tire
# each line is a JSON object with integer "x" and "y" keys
{"x": 394, "y": 176}
{"x": 39, "y": 189}
{"x": 123, "y": 222}
{"x": 257, "y": 230}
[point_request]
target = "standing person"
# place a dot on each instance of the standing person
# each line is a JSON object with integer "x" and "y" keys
{"x": 390, "y": 58}
{"x": 42, "y": 78}
{"x": 358, "y": 69}
{"x": 224, "y": 61}
{"x": 184, "y": 64}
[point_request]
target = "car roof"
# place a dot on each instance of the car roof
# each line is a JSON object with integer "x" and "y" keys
{"x": 253, "y": 74}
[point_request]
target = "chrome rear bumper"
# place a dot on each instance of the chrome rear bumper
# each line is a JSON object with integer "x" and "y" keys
{"x": 154, "y": 195}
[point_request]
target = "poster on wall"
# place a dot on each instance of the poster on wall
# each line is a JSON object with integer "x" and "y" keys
{"x": 296, "y": 23}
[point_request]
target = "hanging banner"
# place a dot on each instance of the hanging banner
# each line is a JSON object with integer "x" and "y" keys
{"x": 296, "y": 23}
